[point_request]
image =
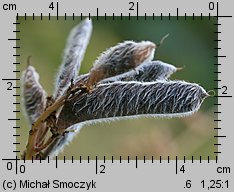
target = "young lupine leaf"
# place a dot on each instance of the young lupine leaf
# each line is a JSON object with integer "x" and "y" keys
{"x": 126, "y": 99}
{"x": 119, "y": 59}
{"x": 75, "y": 49}
{"x": 147, "y": 72}
{"x": 34, "y": 95}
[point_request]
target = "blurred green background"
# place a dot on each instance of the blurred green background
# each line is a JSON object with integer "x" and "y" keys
{"x": 190, "y": 45}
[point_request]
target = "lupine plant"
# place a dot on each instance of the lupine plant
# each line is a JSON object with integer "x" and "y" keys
{"x": 125, "y": 82}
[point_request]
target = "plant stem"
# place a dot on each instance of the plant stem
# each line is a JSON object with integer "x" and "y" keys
{"x": 31, "y": 148}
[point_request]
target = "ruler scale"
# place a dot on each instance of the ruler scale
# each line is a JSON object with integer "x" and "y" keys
{"x": 188, "y": 172}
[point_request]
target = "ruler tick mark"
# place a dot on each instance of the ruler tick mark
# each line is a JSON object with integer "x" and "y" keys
{"x": 137, "y": 9}
{"x": 13, "y": 39}
{"x": 11, "y": 79}
{"x": 136, "y": 161}
{"x": 57, "y": 10}
{"x": 97, "y": 14}
{"x": 177, "y": 13}
{"x": 221, "y": 136}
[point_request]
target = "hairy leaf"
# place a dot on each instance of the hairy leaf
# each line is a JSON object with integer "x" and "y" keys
{"x": 75, "y": 49}
{"x": 34, "y": 95}
{"x": 119, "y": 59}
{"x": 147, "y": 72}
{"x": 126, "y": 99}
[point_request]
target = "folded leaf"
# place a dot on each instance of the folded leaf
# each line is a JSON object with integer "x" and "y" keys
{"x": 34, "y": 96}
{"x": 129, "y": 99}
{"x": 119, "y": 59}
{"x": 147, "y": 72}
{"x": 75, "y": 49}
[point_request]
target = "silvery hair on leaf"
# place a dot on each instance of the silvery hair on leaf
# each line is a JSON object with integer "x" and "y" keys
{"x": 124, "y": 82}
{"x": 73, "y": 55}
{"x": 126, "y": 99}
{"x": 119, "y": 59}
{"x": 126, "y": 55}
{"x": 34, "y": 96}
{"x": 147, "y": 72}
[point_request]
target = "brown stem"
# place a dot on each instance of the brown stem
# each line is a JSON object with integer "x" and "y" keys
{"x": 32, "y": 148}
{"x": 41, "y": 138}
{"x": 48, "y": 142}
